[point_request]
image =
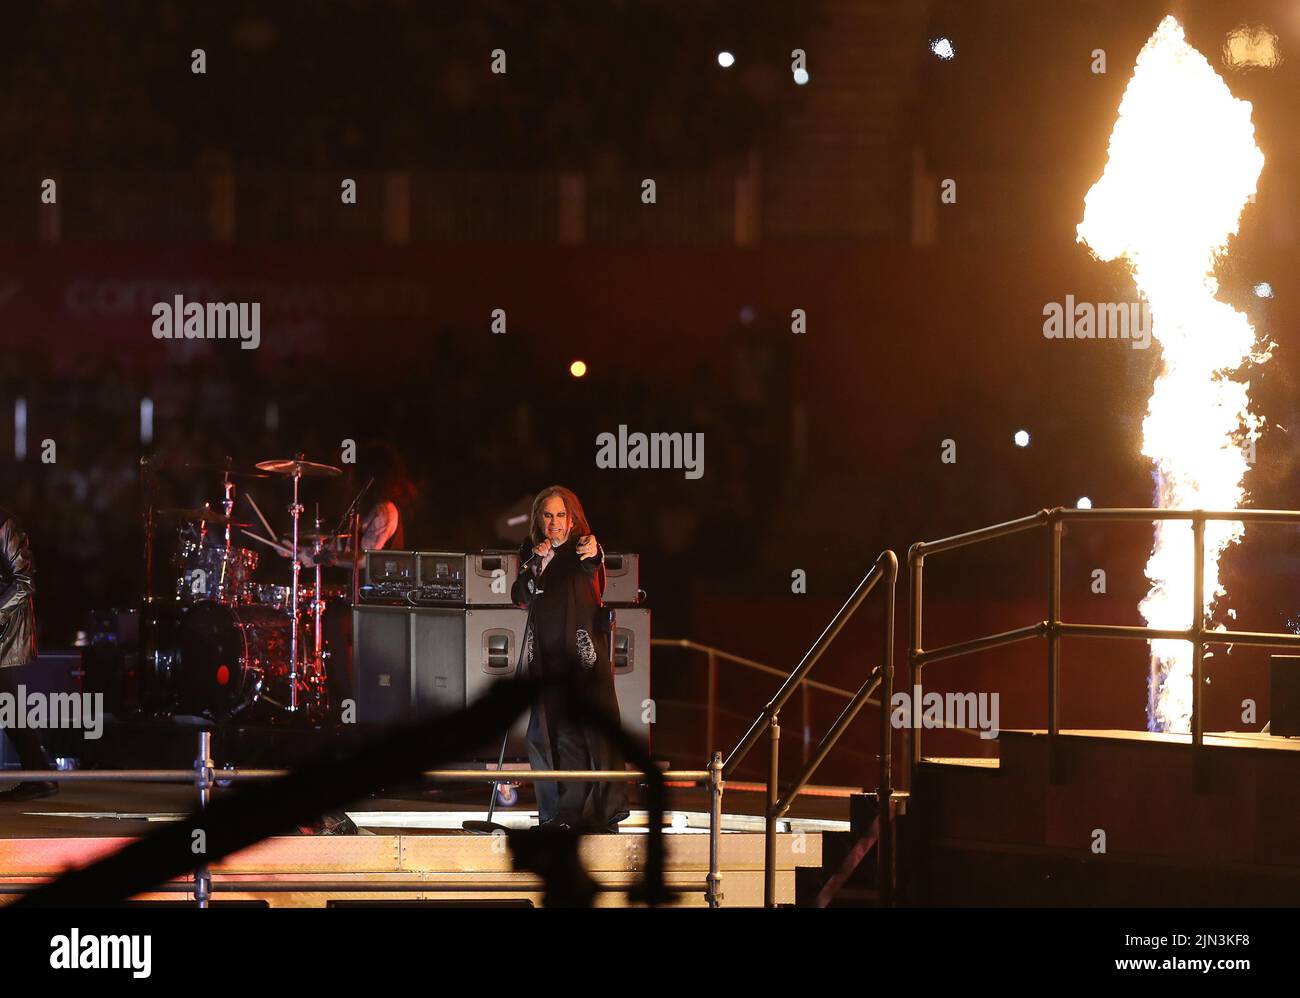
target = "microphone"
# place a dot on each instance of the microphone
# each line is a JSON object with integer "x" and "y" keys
{"x": 536, "y": 558}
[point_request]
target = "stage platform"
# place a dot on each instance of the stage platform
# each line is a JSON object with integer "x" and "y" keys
{"x": 413, "y": 850}
{"x": 1129, "y": 820}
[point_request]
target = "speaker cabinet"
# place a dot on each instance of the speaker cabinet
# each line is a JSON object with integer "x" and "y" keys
{"x": 489, "y": 576}
{"x": 408, "y": 662}
{"x": 411, "y": 662}
{"x": 631, "y": 660}
{"x": 492, "y": 642}
{"x": 622, "y": 578}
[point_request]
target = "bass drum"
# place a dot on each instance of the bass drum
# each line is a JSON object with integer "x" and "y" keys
{"x": 229, "y": 657}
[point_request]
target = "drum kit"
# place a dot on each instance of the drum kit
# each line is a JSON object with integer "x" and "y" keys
{"x": 222, "y": 644}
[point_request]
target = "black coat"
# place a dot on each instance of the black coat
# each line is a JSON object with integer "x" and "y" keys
{"x": 568, "y": 635}
{"x": 573, "y": 588}
{"x": 17, "y": 618}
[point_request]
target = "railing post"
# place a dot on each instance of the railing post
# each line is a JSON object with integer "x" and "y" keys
{"x": 713, "y": 894}
{"x": 885, "y": 802}
{"x": 807, "y": 722}
{"x": 203, "y": 779}
{"x": 773, "y": 799}
{"x": 1054, "y": 653}
{"x": 1198, "y": 648}
{"x": 710, "y": 729}
{"x": 911, "y": 733}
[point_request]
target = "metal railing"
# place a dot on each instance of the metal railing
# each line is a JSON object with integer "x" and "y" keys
{"x": 885, "y": 568}
{"x": 714, "y": 656}
{"x": 205, "y": 776}
{"x": 1053, "y": 628}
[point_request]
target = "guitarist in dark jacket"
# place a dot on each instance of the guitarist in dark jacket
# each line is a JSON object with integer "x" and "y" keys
{"x": 17, "y": 648}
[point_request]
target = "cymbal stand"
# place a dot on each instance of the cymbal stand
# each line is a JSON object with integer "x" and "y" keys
{"x": 318, "y": 607}
{"x": 229, "y": 508}
{"x": 295, "y": 510}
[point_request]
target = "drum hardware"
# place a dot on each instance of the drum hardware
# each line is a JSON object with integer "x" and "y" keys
{"x": 222, "y": 644}
{"x": 226, "y": 466}
{"x": 202, "y": 514}
{"x": 296, "y": 468}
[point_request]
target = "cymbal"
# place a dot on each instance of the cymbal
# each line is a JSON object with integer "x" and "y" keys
{"x": 202, "y": 514}
{"x": 322, "y": 535}
{"x": 305, "y": 469}
{"x": 225, "y": 467}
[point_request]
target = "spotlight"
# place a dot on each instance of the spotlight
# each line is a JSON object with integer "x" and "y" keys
{"x": 1263, "y": 290}
{"x": 578, "y": 368}
{"x": 1021, "y": 438}
{"x": 801, "y": 76}
{"x": 942, "y": 47}
{"x": 1083, "y": 503}
{"x": 726, "y": 60}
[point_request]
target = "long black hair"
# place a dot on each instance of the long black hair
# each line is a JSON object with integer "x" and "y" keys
{"x": 392, "y": 481}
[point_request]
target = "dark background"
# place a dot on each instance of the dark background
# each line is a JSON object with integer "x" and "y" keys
{"x": 522, "y": 191}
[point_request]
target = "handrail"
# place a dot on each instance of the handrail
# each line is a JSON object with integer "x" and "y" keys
{"x": 1054, "y": 628}
{"x": 749, "y": 663}
{"x": 711, "y": 710}
{"x": 886, "y": 568}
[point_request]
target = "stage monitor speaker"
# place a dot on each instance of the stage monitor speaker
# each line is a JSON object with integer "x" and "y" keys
{"x": 1284, "y": 695}
{"x": 408, "y": 662}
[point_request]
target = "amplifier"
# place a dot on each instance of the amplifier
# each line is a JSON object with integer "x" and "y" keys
{"x": 416, "y": 578}
{"x": 489, "y": 578}
{"x": 622, "y": 578}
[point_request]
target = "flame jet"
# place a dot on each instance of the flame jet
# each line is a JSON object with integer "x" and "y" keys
{"x": 1182, "y": 164}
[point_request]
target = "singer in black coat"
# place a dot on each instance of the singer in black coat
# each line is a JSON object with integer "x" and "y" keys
{"x": 566, "y": 636}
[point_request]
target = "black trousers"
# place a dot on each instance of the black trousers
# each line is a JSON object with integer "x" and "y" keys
{"x": 557, "y": 739}
{"x": 27, "y": 742}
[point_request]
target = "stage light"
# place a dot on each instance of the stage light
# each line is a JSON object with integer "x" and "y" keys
{"x": 746, "y": 315}
{"x": 146, "y": 421}
{"x": 801, "y": 76}
{"x": 943, "y": 48}
{"x": 1021, "y": 438}
{"x": 1083, "y": 503}
{"x": 1263, "y": 290}
{"x": 578, "y": 368}
{"x": 726, "y": 60}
